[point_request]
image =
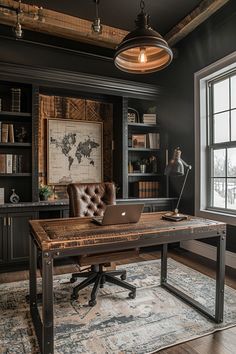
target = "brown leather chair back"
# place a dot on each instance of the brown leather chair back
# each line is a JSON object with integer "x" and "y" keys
{"x": 90, "y": 199}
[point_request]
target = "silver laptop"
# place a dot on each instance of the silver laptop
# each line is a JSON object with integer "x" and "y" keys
{"x": 120, "y": 214}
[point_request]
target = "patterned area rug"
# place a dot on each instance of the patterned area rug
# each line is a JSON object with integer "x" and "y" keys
{"x": 116, "y": 325}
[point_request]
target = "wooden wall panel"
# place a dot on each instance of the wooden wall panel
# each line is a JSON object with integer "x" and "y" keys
{"x": 58, "y": 107}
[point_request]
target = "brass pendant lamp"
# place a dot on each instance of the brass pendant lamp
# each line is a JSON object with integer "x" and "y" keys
{"x": 143, "y": 50}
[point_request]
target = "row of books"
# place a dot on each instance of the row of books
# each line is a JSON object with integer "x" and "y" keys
{"x": 149, "y": 118}
{"x": 153, "y": 140}
{"x": 10, "y": 163}
{"x": 15, "y": 99}
{"x": 7, "y": 133}
{"x": 146, "y": 189}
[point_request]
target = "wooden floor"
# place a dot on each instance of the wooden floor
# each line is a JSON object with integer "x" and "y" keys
{"x": 222, "y": 342}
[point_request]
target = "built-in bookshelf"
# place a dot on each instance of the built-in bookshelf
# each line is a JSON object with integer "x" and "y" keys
{"x": 16, "y": 140}
{"x": 145, "y": 150}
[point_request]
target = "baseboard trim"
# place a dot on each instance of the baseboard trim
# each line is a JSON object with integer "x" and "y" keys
{"x": 208, "y": 251}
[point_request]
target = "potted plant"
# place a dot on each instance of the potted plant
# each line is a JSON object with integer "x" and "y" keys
{"x": 44, "y": 192}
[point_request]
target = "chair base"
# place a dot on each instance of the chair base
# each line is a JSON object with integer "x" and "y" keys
{"x": 99, "y": 278}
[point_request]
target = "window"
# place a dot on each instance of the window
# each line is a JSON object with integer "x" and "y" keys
{"x": 222, "y": 143}
{"x": 215, "y": 140}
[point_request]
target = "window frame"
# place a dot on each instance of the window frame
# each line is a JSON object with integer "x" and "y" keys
{"x": 203, "y": 142}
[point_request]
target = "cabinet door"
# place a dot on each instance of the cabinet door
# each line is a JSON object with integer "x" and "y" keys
{"x": 3, "y": 239}
{"x": 18, "y": 236}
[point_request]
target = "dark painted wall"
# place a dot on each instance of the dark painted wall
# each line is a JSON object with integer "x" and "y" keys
{"x": 211, "y": 41}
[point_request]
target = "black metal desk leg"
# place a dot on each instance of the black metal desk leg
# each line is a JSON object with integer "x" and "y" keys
{"x": 220, "y": 276}
{"x": 33, "y": 274}
{"x": 164, "y": 251}
{"x": 47, "y": 304}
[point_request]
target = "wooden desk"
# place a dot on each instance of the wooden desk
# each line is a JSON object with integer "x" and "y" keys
{"x": 78, "y": 236}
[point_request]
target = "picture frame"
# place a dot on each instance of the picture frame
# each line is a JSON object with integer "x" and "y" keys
{"x": 133, "y": 115}
{"x": 74, "y": 151}
{"x": 139, "y": 141}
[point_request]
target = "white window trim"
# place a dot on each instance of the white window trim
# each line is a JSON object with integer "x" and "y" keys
{"x": 201, "y": 77}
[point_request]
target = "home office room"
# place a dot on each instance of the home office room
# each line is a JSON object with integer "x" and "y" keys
{"x": 117, "y": 176}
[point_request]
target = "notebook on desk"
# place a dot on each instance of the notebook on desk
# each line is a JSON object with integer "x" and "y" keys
{"x": 120, "y": 214}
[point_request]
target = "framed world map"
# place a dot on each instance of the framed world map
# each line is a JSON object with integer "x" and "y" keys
{"x": 74, "y": 151}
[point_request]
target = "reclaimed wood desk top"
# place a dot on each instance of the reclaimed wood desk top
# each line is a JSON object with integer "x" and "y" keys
{"x": 84, "y": 235}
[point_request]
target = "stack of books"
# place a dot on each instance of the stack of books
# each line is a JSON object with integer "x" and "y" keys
{"x": 6, "y": 133}
{"x": 15, "y": 99}
{"x": 146, "y": 189}
{"x": 149, "y": 118}
{"x": 153, "y": 140}
{"x": 10, "y": 163}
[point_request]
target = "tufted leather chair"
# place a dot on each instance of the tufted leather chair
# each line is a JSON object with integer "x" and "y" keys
{"x": 91, "y": 199}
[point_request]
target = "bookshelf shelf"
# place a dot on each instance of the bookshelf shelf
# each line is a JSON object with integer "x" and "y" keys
{"x": 15, "y": 114}
{"x": 26, "y": 174}
{"x": 15, "y": 145}
{"x": 143, "y": 125}
{"x": 142, "y": 149}
{"x": 139, "y": 174}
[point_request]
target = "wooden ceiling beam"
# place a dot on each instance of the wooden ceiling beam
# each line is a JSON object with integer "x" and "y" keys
{"x": 77, "y": 29}
{"x": 200, "y": 14}
{"x": 59, "y": 24}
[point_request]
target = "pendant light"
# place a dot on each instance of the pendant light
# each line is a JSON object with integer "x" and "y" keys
{"x": 143, "y": 50}
{"x": 96, "y": 25}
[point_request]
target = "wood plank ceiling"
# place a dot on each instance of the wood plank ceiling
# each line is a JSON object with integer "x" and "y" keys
{"x": 50, "y": 20}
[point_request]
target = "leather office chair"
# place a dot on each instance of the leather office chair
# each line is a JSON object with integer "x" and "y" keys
{"x": 91, "y": 199}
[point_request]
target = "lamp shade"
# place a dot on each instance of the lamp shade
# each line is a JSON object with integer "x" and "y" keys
{"x": 175, "y": 167}
{"x": 143, "y": 50}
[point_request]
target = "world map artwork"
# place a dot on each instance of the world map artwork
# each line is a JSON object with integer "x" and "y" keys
{"x": 75, "y": 150}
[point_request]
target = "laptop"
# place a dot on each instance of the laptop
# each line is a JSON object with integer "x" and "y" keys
{"x": 120, "y": 214}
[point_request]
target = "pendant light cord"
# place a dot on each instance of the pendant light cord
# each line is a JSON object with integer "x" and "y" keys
{"x": 142, "y": 5}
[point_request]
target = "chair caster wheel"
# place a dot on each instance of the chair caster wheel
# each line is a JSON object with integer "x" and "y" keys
{"x": 132, "y": 295}
{"x": 92, "y": 303}
{"x": 74, "y": 296}
{"x": 72, "y": 280}
{"x": 123, "y": 277}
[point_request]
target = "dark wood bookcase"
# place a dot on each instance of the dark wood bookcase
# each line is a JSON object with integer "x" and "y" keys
{"x": 121, "y": 94}
{"x": 20, "y": 150}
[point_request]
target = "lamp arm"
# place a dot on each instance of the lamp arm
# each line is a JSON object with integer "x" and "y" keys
{"x": 186, "y": 164}
{"x": 182, "y": 189}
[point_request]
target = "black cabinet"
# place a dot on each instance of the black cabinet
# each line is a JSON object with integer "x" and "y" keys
{"x": 14, "y": 237}
{"x": 18, "y": 236}
{"x": 3, "y": 238}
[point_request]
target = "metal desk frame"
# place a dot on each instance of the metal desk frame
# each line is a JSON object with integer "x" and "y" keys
{"x": 45, "y": 328}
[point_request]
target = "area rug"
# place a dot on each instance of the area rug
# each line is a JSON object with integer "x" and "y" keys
{"x": 116, "y": 325}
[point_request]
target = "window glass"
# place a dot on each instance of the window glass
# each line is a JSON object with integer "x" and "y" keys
{"x": 233, "y": 91}
{"x": 233, "y": 125}
{"x": 219, "y": 163}
{"x": 231, "y": 162}
{"x": 221, "y": 96}
{"x": 221, "y": 127}
{"x": 231, "y": 193}
{"x": 219, "y": 192}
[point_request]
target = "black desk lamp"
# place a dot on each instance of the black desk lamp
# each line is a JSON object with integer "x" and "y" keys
{"x": 175, "y": 168}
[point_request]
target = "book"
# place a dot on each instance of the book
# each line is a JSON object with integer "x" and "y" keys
{"x": 149, "y": 118}
{"x": 2, "y": 163}
{"x": 8, "y": 163}
{"x": 15, "y": 99}
{"x": 2, "y": 196}
{"x": 4, "y": 133}
{"x": 11, "y": 133}
{"x": 14, "y": 163}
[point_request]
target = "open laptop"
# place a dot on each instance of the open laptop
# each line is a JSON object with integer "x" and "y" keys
{"x": 120, "y": 214}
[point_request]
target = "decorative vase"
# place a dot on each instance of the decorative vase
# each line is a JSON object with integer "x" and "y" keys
{"x": 43, "y": 197}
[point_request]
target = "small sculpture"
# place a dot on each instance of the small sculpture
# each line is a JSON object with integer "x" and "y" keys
{"x": 14, "y": 198}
